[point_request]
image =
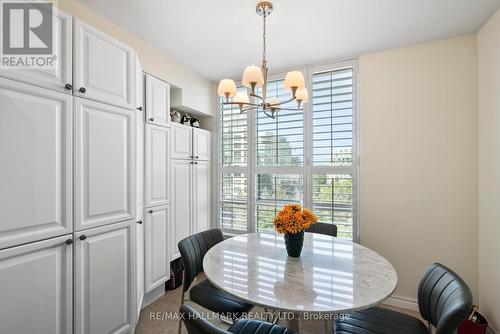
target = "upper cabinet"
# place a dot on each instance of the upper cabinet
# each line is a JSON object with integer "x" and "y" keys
{"x": 139, "y": 87}
{"x": 157, "y": 165}
{"x": 36, "y": 153}
{"x": 104, "y": 68}
{"x": 59, "y": 77}
{"x": 104, "y": 164}
{"x": 157, "y": 101}
{"x": 182, "y": 141}
{"x": 201, "y": 144}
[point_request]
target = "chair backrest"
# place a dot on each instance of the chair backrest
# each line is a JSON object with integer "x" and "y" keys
{"x": 444, "y": 299}
{"x": 193, "y": 249}
{"x": 195, "y": 324}
{"x": 323, "y": 228}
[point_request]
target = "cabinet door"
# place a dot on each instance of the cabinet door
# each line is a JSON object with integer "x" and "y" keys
{"x": 104, "y": 67}
{"x": 156, "y": 230}
{"x": 105, "y": 279}
{"x": 36, "y": 179}
{"x": 139, "y": 162}
{"x": 104, "y": 164}
{"x": 181, "y": 204}
{"x": 157, "y": 165}
{"x": 139, "y": 85}
{"x": 139, "y": 231}
{"x": 181, "y": 141}
{"x": 201, "y": 144}
{"x": 60, "y": 75}
{"x": 201, "y": 195}
{"x": 36, "y": 294}
{"x": 157, "y": 101}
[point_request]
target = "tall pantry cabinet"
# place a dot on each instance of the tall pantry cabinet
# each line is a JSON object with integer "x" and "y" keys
{"x": 68, "y": 194}
{"x": 190, "y": 183}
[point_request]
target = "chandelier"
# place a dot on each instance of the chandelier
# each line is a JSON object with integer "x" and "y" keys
{"x": 254, "y": 77}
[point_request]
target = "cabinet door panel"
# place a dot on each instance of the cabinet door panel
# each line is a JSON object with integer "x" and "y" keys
{"x": 157, "y": 101}
{"x": 104, "y": 66}
{"x": 104, "y": 164}
{"x": 201, "y": 144}
{"x": 105, "y": 279}
{"x": 57, "y": 77}
{"x": 181, "y": 203}
{"x": 139, "y": 135}
{"x": 35, "y": 145}
{"x": 36, "y": 294}
{"x": 139, "y": 86}
{"x": 181, "y": 141}
{"x": 139, "y": 230}
{"x": 157, "y": 164}
{"x": 201, "y": 196}
{"x": 156, "y": 227}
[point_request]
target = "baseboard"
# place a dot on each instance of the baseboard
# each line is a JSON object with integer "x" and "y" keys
{"x": 402, "y": 302}
{"x": 153, "y": 295}
{"x": 492, "y": 330}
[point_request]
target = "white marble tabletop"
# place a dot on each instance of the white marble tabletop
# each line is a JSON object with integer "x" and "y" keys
{"x": 331, "y": 275}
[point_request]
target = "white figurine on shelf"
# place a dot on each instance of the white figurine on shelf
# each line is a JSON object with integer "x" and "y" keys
{"x": 175, "y": 116}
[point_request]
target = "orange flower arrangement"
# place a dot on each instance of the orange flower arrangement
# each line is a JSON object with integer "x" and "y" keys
{"x": 292, "y": 218}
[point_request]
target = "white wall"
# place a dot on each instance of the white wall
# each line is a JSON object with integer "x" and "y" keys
{"x": 198, "y": 92}
{"x": 489, "y": 169}
{"x": 418, "y": 167}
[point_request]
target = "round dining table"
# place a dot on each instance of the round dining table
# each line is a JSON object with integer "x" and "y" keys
{"x": 332, "y": 276}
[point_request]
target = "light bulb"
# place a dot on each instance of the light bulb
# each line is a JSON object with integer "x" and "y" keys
{"x": 252, "y": 76}
{"x": 241, "y": 97}
{"x": 294, "y": 80}
{"x": 302, "y": 95}
{"x": 227, "y": 88}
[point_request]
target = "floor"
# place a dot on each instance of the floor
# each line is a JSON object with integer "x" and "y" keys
{"x": 157, "y": 317}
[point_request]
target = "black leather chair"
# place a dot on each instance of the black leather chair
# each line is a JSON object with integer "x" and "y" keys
{"x": 193, "y": 249}
{"x": 195, "y": 324}
{"x": 444, "y": 300}
{"x": 323, "y": 228}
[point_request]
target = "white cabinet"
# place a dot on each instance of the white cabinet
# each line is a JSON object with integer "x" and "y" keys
{"x": 104, "y": 164}
{"x": 157, "y": 267}
{"x": 140, "y": 273}
{"x": 182, "y": 141}
{"x": 36, "y": 168}
{"x": 139, "y": 162}
{"x": 139, "y": 85}
{"x": 157, "y": 165}
{"x": 201, "y": 144}
{"x": 157, "y": 101}
{"x": 103, "y": 67}
{"x": 60, "y": 75}
{"x": 181, "y": 204}
{"x": 105, "y": 279}
{"x": 201, "y": 199}
{"x": 36, "y": 294}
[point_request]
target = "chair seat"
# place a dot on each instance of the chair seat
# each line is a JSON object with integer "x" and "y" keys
{"x": 377, "y": 320}
{"x": 210, "y": 297}
{"x": 245, "y": 326}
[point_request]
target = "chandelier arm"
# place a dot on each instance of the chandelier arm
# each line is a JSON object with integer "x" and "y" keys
{"x": 272, "y": 115}
{"x": 240, "y": 103}
{"x": 291, "y": 109}
{"x": 249, "y": 108}
{"x": 283, "y": 102}
{"x": 257, "y": 96}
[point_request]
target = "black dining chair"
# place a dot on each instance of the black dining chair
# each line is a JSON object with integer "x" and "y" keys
{"x": 444, "y": 301}
{"x": 205, "y": 294}
{"x": 196, "y": 324}
{"x": 323, "y": 228}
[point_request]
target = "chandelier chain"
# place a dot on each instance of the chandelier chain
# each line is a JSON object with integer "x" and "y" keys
{"x": 264, "y": 38}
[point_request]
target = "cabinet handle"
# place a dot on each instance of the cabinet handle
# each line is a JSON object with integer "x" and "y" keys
{"x": 68, "y": 87}
{"x": 139, "y": 222}
{"x": 69, "y": 242}
{"x": 191, "y": 162}
{"x": 196, "y": 157}
{"x": 191, "y": 156}
{"x": 150, "y": 211}
{"x": 83, "y": 237}
{"x": 139, "y": 108}
{"x": 82, "y": 90}
{"x": 196, "y": 162}
{"x": 152, "y": 119}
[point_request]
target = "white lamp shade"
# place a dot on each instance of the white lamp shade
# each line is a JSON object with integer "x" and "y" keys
{"x": 294, "y": 79}
{"x": 227, "y": 87}
{"x": 241, "y": 97}
{"x": 302, "y": 95}
{"x": 252, "y": 74}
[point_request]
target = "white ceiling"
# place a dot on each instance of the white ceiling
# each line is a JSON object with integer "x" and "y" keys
{"x": 218, "y": 38}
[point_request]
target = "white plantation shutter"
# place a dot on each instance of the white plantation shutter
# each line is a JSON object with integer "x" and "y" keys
{"x": 233, "y": 168}
{"x": 333, "y": 167}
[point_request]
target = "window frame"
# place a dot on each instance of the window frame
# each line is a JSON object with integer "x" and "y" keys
{"x": 307, "y": 170}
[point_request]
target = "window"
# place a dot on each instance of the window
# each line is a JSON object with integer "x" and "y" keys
{"x": 306, "y": 157}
